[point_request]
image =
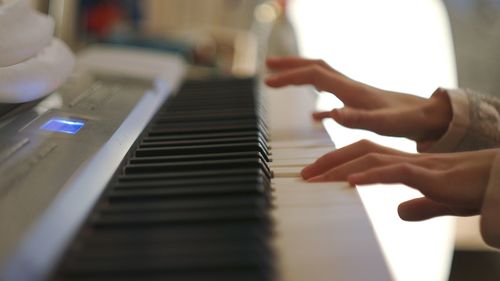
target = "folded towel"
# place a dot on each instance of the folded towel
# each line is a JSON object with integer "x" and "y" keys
{"x": 32, "y": 62}
{"x": 38, "y": 76}
{"x": 23, "y": 32}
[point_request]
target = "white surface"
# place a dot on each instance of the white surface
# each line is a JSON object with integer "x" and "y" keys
{"x": 23, "y": 32}
{"x": 32, "y": 63}
{"x": 33, "y": 259}
{"x": 322, "y": 230}
{"x": 37, "y": 76}
{"x": 397, "y": 45}
{"x": 165, "y": 69}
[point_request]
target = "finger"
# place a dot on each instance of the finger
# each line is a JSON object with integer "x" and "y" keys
{"x": 320, "y": 115}
{"x": 363, "y": 163}
{"x": 434, "y": 184}
{"x": 306, "y": 75}
{"x": 423, "y": 208}
{"x": 377, "y": 121}
{"x": 345, "y": 154}
{"x": 279, "y": 63}
{"x": 381, "y": 121}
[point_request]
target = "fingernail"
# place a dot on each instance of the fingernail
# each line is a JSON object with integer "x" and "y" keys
{"x": 337, "y": 112}
{"x": 319, "y": 178}
{"x": 306, "y": 171}
{"x": 354, "y": 178}
{"x": 269, "y": 80}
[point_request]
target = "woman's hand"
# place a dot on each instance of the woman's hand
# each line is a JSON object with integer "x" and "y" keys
{"x": 452, "y": 184}
{"x": 366, "y": 107}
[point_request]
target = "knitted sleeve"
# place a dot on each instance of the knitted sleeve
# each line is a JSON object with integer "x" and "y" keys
{"x": 475, "y": 123}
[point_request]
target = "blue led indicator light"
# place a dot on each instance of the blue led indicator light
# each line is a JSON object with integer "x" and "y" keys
{"x": 63, "y": 125}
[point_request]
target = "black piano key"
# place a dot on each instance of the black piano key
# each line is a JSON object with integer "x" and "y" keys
{"x": 202, "y": 136}
{"x": 178, "y": 217}
{"x": 166, "y": 123}
{"x": 205, "y": 165}
{"x": 223, "y": 128}
{"x": 190, "y": 182}
{"x": 191, "y": 200}
{"x": 190, "y": 174}
{"x": 166, "y": 248}
{"x": 198, "y": 275}
{"x": 181, "y": 233}
{"x": 150, "y": 143}
{"x": 212, "y": 115}
{"x": 196, "y": 157}
{"x": 206, "y": 190}
{"x": 201, "y": 149}
{"x": 203, "y": 202}
{"x": 164, "y": 264}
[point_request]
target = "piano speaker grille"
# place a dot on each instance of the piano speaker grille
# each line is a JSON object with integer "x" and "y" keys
{"x": 190, "y": 201}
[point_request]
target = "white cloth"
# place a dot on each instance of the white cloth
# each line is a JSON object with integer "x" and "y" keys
{"x": 23, "y": 32}
{"x": 37, "y": 76}
{"x": 32, "y": 63}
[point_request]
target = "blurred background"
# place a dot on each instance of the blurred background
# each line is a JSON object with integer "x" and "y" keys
{"x": 218, "y": 36}
{"x": 475, "y": 26}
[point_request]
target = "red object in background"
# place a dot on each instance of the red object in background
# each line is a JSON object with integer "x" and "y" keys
{"x": 282, "y": 3}
{"x": 101, "y": 18}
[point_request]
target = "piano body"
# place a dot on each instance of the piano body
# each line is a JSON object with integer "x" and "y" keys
{"x": 132, "y": 172}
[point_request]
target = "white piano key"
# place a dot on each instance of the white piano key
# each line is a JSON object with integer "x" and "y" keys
{"x": 311, "y": 143}
{"x": 307, "y": 153}
{"x": 299, "y": 162}
{"x": 287, "y": 172}
{"x": 323, "y": 233}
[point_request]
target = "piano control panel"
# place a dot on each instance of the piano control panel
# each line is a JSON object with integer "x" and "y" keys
{"x": 45, "y": 143}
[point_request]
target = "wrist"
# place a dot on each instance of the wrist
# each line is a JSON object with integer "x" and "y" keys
{"x": 439, "y": 111}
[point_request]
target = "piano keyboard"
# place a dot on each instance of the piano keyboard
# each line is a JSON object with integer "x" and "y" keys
{"x": 150, "y": 186}
{"x": 191, "y": 200}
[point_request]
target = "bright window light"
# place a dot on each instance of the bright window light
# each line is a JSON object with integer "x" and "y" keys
{"x": 397, "y": 45}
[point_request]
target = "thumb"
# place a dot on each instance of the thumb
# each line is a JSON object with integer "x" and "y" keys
{"x": 320, "y": 115}
{"x": 381, "y": 121}
{"x": 424, "y": 208}
{"x": 348, "y": 117}
{"x": 357, "y": 118}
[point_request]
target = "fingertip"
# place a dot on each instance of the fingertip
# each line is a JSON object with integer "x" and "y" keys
{"x": 271, "y": 81}
{"x": 406, "y": 215}
{"x": 420, "y": 209}
{"x": 354, "y": 179}
{"x": 340, "y": 115}
{"x": 272, "y": 61}
{"x": 320, "y": 115}
{"x": 335, "y": 113}
{"x": 269, "y": 61}
{"x": 307, "y": 172}
{"x": 267, "y": 81}
{"x": 316, "y": 116}
{"x": 319, "y": 178}
{"x": 406, "y": 212}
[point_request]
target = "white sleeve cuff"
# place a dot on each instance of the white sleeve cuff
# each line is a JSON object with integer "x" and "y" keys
{"x": 459, "y": 124}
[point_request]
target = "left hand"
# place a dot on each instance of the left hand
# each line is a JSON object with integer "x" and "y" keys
{"x": 452, "y": 183}
{"x": 365, "y": 107}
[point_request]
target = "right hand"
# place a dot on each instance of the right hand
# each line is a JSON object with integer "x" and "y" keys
{"x": 365, "y": 107}
{"x": 452, "y": 183}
